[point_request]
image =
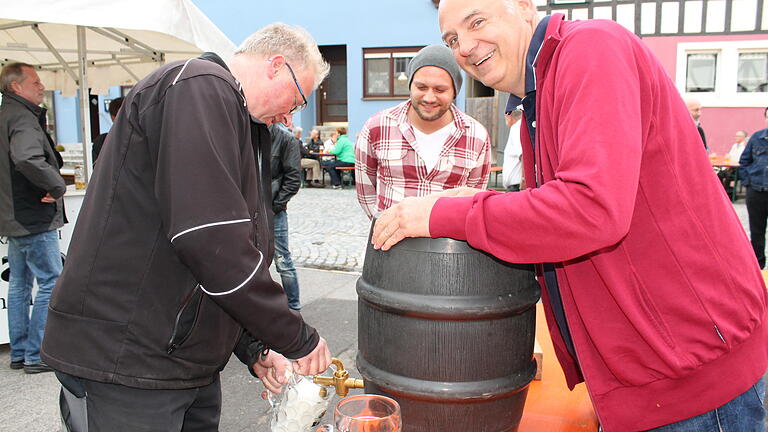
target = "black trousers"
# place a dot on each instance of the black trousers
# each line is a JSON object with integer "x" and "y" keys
{"x": 90, "y": 406}
{"x": 335, "y": 176}
{"x": 757, "y": 208}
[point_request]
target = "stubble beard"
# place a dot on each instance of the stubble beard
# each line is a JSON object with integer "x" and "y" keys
{"x": 440, "y": 112}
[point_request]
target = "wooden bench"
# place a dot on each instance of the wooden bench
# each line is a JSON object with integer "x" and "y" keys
{"x": 346, "y": 171}
{"x": 495, "y": 170}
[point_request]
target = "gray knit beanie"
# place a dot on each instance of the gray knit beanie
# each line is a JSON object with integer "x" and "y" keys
{"x": 439, "y": 56}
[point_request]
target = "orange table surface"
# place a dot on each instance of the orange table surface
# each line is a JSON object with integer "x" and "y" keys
{"x": 550, "y": 405}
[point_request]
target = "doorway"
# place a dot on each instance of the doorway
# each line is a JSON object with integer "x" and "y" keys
{"x": 332, "y": 92}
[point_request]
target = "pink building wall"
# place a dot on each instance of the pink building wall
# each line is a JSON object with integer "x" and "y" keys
{"x": 720, "y": 123}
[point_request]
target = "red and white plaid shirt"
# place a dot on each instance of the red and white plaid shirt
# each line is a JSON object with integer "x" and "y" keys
{"x": 388, "y": 168}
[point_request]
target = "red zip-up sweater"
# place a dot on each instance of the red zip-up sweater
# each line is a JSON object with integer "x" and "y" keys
{"x": 662, "y": 293}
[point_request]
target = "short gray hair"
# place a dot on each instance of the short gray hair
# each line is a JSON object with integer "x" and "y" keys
{"x": 292, "y": 42}
{"x": 12, "y": 73}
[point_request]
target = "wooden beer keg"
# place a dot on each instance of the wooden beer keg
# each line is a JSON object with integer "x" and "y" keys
{"x": 448, "y": 331}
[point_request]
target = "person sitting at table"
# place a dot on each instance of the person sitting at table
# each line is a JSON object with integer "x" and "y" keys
{"x": 314, "y": 143}
{"x": 727, "y": 176}
{"x": 344, "y": 151}
{"x": 328, "y": 145}
{"x": 738, "y": 146}
{"x": 308, "y": 161}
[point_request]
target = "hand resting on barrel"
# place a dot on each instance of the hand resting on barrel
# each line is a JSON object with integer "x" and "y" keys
{"x": 410, "y": 217}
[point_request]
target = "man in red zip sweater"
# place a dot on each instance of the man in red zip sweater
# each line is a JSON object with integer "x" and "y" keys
{"x": 652, "y": 294}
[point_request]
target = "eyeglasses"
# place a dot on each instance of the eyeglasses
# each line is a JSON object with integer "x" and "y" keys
{"x": 303, "y": 105}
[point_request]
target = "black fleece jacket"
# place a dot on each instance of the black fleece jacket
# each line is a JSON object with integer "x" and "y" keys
{"x": 168, "y": 264}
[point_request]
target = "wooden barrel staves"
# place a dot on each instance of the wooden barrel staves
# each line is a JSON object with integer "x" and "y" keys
{"x": 447, "y": 331}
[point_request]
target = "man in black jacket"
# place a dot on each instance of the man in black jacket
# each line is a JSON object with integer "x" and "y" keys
{"x": 167, "y": 271}
{"x": 98, "y": 142}
{"x": 286, "y": 180}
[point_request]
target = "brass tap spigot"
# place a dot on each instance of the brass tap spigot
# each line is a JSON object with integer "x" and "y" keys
{"x": 340, "y": 380}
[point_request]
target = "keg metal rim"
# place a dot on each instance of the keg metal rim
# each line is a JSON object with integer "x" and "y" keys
{"x": 445, "y": 307}
{"x": 445, "y": 392}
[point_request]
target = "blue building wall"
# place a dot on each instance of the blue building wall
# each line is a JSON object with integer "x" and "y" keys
{"x": 357, "y": 24}
{"x": 67, "y": 111}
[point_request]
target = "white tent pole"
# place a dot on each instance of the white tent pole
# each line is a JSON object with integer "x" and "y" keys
{"x": 125, "y": 68}
{"x": 135, "y": 44}
{"x": 55, "y": 52}
{"x": 125, "y": 40}
{"x": 85, "y": 111}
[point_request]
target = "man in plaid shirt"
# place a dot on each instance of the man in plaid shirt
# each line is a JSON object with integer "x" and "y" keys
{"x": 424, "y": 144}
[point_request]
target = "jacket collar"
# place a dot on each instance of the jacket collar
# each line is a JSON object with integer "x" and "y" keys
{"x": 763, "y": 134}
{"x": 213, "y": 57}
{"x": 399, "y": 115}
{"x": 530, "y": 61}
{"x": 545, "y": 39}
{"x": 36, "y": 109}
{"x": 552, "y": 39}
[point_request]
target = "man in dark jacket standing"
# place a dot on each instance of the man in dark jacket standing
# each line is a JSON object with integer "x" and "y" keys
{"x": 31, "y": 210}
{"x": 98, "y": 142}
{"x": 753, "y": 166}
{"x": 286, "y": 180}
{"x": 168, "y": 272}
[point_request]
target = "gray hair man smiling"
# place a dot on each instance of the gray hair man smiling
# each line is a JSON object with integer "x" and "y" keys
{"x": 644, "y": 301}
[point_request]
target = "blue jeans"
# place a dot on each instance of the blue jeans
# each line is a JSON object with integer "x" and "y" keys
{"x": 284, "y": 263}
{"x": 31, "y": 257}
{"x": 744, "y": 413}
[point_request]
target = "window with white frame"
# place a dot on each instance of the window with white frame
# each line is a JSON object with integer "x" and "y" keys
{"x": 384, "y": 71}
{"x": 726, "y": 73}
{"x": 701, "y": 72}
{"x": 753, "y": 72}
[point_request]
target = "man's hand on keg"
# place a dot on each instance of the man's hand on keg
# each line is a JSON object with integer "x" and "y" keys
{"x": 315, "y": 362}
{"x": 409, "y": 218}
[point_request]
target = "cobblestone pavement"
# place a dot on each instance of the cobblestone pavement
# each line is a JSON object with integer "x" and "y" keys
{"x": 327, "y": 229}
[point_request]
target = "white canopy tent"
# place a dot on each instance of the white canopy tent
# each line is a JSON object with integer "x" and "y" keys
{"x": 82, "y": 44}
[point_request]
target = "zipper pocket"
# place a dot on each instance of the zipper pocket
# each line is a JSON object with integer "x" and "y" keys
{"x": 186, "y": 319}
